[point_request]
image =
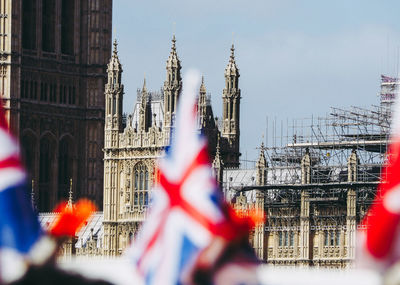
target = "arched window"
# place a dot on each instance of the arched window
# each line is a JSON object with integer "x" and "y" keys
{"x": 326, "y": 238}
{"x": 29, "y": 24}
{"x": 332, "y": 240}
{"x": 141, "y": 176}
{"x": 286, "y": 238}
{"x": 46, "y": 173}
{"x": 291, "y": 239}
{"x": 337, "y": 238}
{"x": 65, "y": 161}
{"x": 48, "y": 25}
{"x": 67, "y": 26}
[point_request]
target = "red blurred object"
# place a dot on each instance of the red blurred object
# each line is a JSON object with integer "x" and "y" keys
{"x": 3, "y": 122}
{"x": 71, "y": 217}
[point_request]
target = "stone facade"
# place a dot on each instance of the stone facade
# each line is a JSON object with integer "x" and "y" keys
{"x": 134, "y": 143}
{"x": 53, "y": 56}
{"x": 313, "y": 229}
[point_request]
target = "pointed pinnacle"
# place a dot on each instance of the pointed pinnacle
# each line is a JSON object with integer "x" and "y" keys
{"x": 70, "y": 194}
{"x": 232, "y": 52}
{"x": 144, "y": 84}
{"x": 202, "y": 86}
{"x": 115, "y": 51}
{"x": 173, "y": 43}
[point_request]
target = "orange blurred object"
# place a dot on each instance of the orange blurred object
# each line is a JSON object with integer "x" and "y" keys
{"x": 71, "y": 217}
{"x": 254, "y": 217}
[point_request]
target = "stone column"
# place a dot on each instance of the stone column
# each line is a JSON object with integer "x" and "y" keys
{"x": 259, "y": 231}
{"x": 304, "y": 256}
{"x": 218, "y": 166}
{"x": 351, "y": 222}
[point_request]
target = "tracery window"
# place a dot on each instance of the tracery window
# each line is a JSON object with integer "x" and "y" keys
{"x": 332, "y": 238}
{"x": 141, "y": 183}
{"x": 291, "y": 243}
{"x": 286, "y": 238}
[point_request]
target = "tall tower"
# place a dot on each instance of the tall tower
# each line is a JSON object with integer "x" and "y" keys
{"x": 114, "y": 91}
{"x": 231, "y": 112}
{"x": 53, "y": 57}
{"x": 172, "y": 88}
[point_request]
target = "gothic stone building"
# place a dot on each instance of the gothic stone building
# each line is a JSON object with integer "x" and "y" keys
{"x": 308, "y": 223}
{"x": 134, "y": 143}
{"x": 53, "y": 56}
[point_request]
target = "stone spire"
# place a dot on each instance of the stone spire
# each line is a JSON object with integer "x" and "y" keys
{"x": 261, "y": 166}
{"x": 144, "y": 88}
{"x": 114, "y": 91}
{"x": 172, "y": 86}
{"x": 218, "y": 165}
{"x": 144, "y": 112}
{"x": 231, "y": 110}
{"x": 202, "y": 104}
{"x": 231, "y": 69}
{"x": 114, "y": 64}
{"x": 173, "y": 61}
{"x": 202, "y": 86}
{"x": 70, "y": 197}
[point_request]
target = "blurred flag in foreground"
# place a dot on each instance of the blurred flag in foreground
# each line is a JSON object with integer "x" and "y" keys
{"x": 22, "y": 241}
{"x": 189, "y": 227}
{"x": 21, "y": 237}
{"x": 380, "y": 241}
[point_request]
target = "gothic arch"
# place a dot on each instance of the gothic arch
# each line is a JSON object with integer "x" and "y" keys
{"x": 66, "y": 158}
{"x": 29, "y": 153}
{"x": 67, "y": 26}
{"x": 47, "y": 173}
{"x": 48, "y": 25}
{"x": 29, "y": 24}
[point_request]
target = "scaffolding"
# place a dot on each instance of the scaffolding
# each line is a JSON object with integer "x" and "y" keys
{"x": 317, "y": 180}
{"x": 330, "y": 141}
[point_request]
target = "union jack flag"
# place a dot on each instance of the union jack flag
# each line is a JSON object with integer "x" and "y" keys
{"x": 380, "y": 241}
{"x": 20, "y": 230}
{"x": 188, "y": 210}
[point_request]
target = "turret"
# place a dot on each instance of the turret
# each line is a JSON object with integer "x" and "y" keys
{"x": 172, "y": 86}
{"x": 202, "y": 104}
{"x": 261, "y": 167}
{"x": 144, "y": 109}
{"x": 218, "y": 166}
{"x": 231, "y": 110}
{"x": 114, "y": 91}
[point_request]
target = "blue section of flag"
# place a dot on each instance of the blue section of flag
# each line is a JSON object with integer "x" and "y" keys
{"x": 19, "y": 226}
{"x": 150, "y": 277}
{"x": 187, "y": 253}
{"x": 216, "y": 198}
